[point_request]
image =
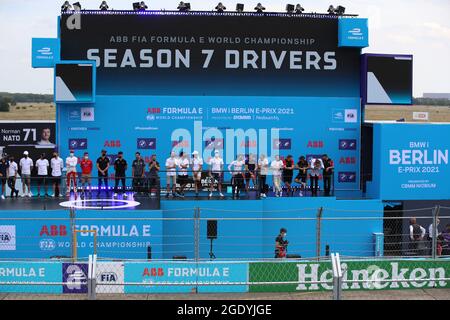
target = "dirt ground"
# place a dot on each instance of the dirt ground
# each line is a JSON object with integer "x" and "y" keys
{"x": 424, "y": 294}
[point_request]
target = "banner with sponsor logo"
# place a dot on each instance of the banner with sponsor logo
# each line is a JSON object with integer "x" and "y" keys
{"x": 110, "y": 277}
{"x": 32, "y": 272}
{"x": 416, "y": 273}
{"x": 412, "y": 165}
{"x": 52, "y": 237}
{"x": 226, "y": 54}
{"x": 45, "y": 52}
{"x": 153, "y": 274}
{"x": 233, "y": 125}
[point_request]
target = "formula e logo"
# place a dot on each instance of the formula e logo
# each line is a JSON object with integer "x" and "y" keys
{"x": 47, "y": 245}
{"x": 78, "y": 144}
{"x": 347, "y": 144}
{"x": 347, "y": 177}
{"x": 282, "y": 144}
{"x": 338, "y": 115}
{"x": 75, "y": 278}
{"x": 45, "y": 51}
{"x": 146, "y": 143}
{"x": 108, "y": 277}
{"x": 355, "y": 32}
{"x": 214, "y": 143}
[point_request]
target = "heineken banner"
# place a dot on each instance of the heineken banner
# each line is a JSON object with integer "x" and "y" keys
{"x": 379, "y": 275}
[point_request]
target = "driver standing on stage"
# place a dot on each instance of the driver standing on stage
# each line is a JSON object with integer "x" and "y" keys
{"x": 237, "y": 180}
{"x": 216, "y": 172}
{"x": 281, "y": 244}
{"x": 71, "y": 165}
{"x": 196, "y": 165}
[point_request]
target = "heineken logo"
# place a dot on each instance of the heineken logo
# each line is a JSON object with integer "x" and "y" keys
{"x": 386, "y": 275}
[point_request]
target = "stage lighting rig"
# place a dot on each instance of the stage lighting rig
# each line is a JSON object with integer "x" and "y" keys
{"x": 340, "y": 10}
{"x": 290, "y": 8}
{"x": 140, "y": 6}
{"x": 259, "y": 8}
{"x": 66, "y": 7}
{"x": 76, "y": 6}
{"x": 104, "y": 6}
{"x": 240, "y": 7}
{"x": 299, "y": 9}
{"x": 220, "y": 7}
{"x": 184, "y": 7}
{"x": 331, "y": 9}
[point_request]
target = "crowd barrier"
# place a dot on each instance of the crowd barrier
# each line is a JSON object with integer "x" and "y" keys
{"x": 148, "y": 277}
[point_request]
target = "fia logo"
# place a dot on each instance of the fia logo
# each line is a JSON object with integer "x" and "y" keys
{"x": 5, "y": 237}
{"x": 47, "y": 245}
{"x": 108, "y": 277}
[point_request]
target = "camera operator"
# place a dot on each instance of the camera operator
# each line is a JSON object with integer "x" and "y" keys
{"x": 281, "y": 244}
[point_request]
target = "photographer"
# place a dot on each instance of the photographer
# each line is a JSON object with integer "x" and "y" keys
{"x": 281, "y": 244}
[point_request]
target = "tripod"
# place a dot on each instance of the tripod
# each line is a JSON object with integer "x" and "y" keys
{"x": 211, "y": 253}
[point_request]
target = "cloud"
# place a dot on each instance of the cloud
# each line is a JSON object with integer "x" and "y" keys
{"x": 436, "y": 30}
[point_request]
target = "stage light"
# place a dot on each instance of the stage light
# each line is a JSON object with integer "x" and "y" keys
{"x": 220, "y": 7}
{"x": 340, "y": 10}
{"x": 140, "y": 6}
{"x": 240, "y": 7}
{"x": 66, "y": 7}
{"x": 290, "y": 8}
{"x": 104, "y": 6}
{"x": 77, "y": 6}
{"x": 259, "y": 8}
{"x": 331, "y": 9}
{"x": 184, "y": 6}
{"x": 299, "y": 9}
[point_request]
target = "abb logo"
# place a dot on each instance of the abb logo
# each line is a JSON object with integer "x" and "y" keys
{"x": 315, "y": 144}
{"x": 53, "y": 231}
{"x": 153, "y": 110}
{"x": 153, "y": 272}
{"x": 112, "y": 144}
{"x": 249, "y": 144}
{"x": 347, "y": 160}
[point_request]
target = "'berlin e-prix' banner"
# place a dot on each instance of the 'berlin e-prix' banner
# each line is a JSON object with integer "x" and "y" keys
{"x": 168, "y": 54}
{"x": 413, "y": 161}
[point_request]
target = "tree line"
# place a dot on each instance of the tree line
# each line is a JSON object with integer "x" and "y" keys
{"x": 11, "y": 99}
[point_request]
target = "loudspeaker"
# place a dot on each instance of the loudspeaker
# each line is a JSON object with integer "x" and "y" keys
{"x": 211, "y": 229}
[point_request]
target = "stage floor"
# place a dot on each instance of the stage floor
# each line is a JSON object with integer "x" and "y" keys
{"x": 131, "y": 202}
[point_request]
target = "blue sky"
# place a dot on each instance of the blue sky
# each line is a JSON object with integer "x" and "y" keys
{"x": 417, "y": 27}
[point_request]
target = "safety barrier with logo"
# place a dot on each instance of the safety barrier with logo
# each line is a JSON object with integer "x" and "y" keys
{"x": 131, "y": 277}
{"x": 357, "y": 275}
